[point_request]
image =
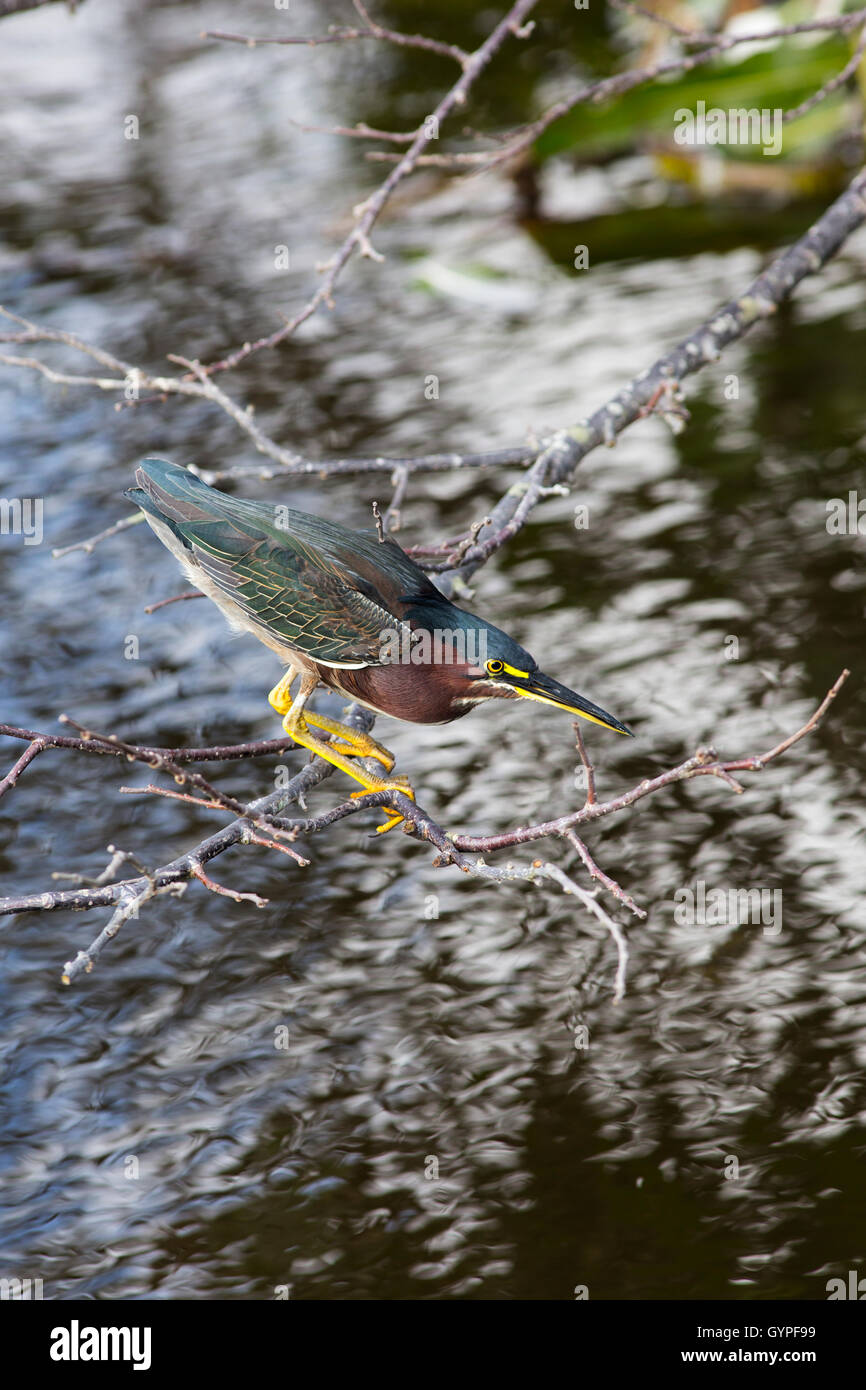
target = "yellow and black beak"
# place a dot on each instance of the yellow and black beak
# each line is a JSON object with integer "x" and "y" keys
{"x": 534, "y": 685}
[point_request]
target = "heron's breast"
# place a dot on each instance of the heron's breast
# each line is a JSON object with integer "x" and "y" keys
{"x": 421, "y": 694}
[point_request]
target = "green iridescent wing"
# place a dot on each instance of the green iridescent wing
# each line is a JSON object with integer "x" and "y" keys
{"x": 303, "y": 581}
{"x": 289, "y": 593}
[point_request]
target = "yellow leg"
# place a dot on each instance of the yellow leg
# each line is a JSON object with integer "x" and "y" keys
{"x": 280, "y": 697}
{"x": 296, "y": 726}
{"x": 353, "y": 743}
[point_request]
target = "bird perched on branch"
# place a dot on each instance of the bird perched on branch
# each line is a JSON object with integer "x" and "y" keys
{"x": 345, "y": 609}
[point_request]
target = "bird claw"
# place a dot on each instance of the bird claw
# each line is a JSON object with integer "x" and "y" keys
{"x": 348, "y": 742}
{"x": 400, "y": 783}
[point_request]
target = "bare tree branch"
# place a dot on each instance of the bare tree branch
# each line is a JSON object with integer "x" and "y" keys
{"x": 367, "y": 212}
{"x": 344, "y": 34}
{"x": 556, "y": 455}
{"x": 704, "y": 763}
{"x": 562, "y": 454}
{"x": 132, "y": 379}
{"x": 717, "y": 44}
{"x": 89, "y": 546}
{"x": 553, "y": 459}
{"x": 833, "y": 84}
{"x": 146, "y": 754}
{"x": 265, "y": 814}
{"x": 9, "y": 7}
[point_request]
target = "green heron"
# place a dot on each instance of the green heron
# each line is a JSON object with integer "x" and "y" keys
{"x": 345, "y": 609}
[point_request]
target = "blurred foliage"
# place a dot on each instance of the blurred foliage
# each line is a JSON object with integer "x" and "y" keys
{"x": 567, "y": 45}
{"x": 674, "y": 227}
{"x": 690, "y": 197}
{"x": 571, "y": 47}
{"x": 776, "y": 79}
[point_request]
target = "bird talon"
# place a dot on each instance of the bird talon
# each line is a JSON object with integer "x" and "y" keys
{"x": 400, "y": 783}
{"x": 348, "y": 742}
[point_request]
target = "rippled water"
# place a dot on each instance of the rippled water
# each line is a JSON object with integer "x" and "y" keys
{"x": 433, "y": 1129}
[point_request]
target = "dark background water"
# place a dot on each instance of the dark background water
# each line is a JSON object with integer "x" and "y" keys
{"x": 429, "y": 1018}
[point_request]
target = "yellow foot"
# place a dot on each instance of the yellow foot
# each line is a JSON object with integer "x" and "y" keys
{"x": 393, "y": 784}
{"x": 352, "y": 743}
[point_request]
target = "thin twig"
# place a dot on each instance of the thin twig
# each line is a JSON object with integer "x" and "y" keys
{"x": 605, "y": 88}
{"x": 266, "y": 815}
{"x": 613, "y": 928}
{"x": 346, "y": 34}
{"x": 833, "y": 84}
{"x": 601, "y": 877}
{"x": 175, "y": 598}
{"x": 368, "y": 212}
{"x": 89, "y": 545}
{"x": 359, "y": 131}
{"x": 38, "y": 746}
{"x": 704, "y": 763}
{"x": 214, "y": 887}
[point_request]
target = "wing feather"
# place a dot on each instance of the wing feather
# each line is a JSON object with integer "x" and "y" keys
{"x": 287, "y": 575}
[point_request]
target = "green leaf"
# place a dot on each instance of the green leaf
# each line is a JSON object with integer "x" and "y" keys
{"x": 778, "y": 78}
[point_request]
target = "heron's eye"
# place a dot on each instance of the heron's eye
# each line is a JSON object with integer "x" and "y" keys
{"x": 494, "y": 668}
